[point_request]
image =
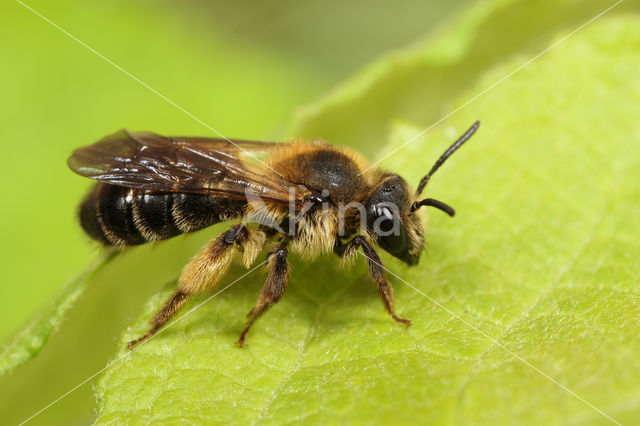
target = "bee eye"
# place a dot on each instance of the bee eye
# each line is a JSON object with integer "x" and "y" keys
{"x": 385, "y": 220}
{"x": 385, "y": 216}
{"x": 388, "y": 228}
{"x": 395, "y": 242}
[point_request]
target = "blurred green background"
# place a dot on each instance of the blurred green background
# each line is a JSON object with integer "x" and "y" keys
{"x": 242, "y": 68}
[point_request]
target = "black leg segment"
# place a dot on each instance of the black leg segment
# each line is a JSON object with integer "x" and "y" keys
{"x": 273, "y": 288}
{"x": 376, "y": 270}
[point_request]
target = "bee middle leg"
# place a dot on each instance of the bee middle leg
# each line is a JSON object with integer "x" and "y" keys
{"x": 376, "y": 271}
{"x": 273, "y": 287}
{"x": 205, "y": 270}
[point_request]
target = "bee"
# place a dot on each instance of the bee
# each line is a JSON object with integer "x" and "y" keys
{"x": 308, "y": 197}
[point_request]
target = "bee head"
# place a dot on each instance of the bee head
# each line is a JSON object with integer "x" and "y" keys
{"x": 391, "y": 210}
{"x": 392, "y": 223}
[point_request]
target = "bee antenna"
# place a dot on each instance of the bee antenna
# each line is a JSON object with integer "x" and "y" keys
{"x": 457, "y": 144}
{"x": 434, "y": 203}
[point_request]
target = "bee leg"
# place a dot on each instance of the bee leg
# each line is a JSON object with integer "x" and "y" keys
{"x": 175, "y": 302}
{"x": 202, "y": 273}
{"x": 273, "y": 288}
{"x": 376, "y": 270}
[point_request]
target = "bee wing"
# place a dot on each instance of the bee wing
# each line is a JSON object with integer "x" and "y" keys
{"x": 152, "y": 162}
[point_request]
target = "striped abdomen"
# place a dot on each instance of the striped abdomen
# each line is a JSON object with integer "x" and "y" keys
{"x": 117, "y": 216}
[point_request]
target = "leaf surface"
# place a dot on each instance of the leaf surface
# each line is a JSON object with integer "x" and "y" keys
{"x": 541, "y": 260}
{"x": 31, "y": 339}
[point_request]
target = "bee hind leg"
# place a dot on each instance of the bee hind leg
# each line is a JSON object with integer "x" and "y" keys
{"x": 376, "y": 271}
{"x": 202, "y": 273}
{"x": 273, "y": 287}
{"x": 175, "y": 302}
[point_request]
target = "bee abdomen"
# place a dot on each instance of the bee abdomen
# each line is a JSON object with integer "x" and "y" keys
{"x": 120, "y": 216}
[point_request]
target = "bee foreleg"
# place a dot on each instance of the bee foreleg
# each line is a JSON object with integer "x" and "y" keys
{"x": 273, "y": 288}
{"x": 376, "y": 270}
{"x": 202, "y": 273}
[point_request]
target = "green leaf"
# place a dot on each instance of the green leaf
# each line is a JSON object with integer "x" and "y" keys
{"x": 541, "y": 260}
{"x": 31, "y": 339}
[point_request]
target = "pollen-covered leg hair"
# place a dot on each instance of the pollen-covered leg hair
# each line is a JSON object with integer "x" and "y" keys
{"x": 251, "y": 243}
{"x": 202, "y": 273}
{"x": 273, "y": 288}
{"x": 376, "y": 271}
